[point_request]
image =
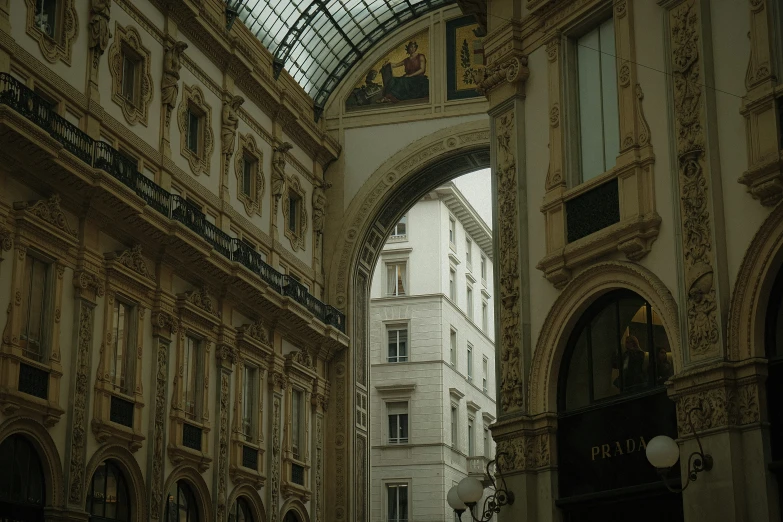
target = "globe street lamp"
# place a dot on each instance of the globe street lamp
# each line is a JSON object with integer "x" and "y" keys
{"x": 466, "y": 494}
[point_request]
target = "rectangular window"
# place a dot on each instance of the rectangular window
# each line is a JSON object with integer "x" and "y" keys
{"x": 471, "y": 449}
{"x": 398, "y": 345}
{"x": 46, "y": 17}
{"x": 484, "y": 269}
{"x": 487, "y": 439}
{"x": 470, "y": 362}
{"x": 190, "y": 376}
{"x": 119, "y": 371}
{"x": 294, "y": 204}
{"x": 469, "y": 302}
{"x": 397, "y": 507}
{"x": 453, "y": 426}
{"x": 248, "y": 171}
{"x": 193, "y": 132}
{"x": 401, "y": 228}
{"x": 452, "y": 231}
{"x": 599, "y": 122}
{"x": 130, "y": 71}
{"x": 35, "y": 308}
{"x": 484, "y": 374}
{"x": 484, "y": 317}
{"x": 361, "y": 410}
{"x": 398, "y": 422}
{"x": 395, "y": 278}
{"x": 453, "y": 348}
{"x": 469, "y": 252}
{"x": 249, "y": 402}
{"x": 297, "y": 421}
{"x": 453, "y": 285}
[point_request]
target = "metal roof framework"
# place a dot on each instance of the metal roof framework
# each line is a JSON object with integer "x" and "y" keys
{"x": 319, "y": 41}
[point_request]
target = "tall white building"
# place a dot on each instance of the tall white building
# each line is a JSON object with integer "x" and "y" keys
{"x": 432, "y": 358}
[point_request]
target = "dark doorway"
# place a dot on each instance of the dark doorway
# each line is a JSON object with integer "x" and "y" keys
{"x": 22, "y": 484}
{"x": 651, "y": 507}
{"x": 774, "y": 351}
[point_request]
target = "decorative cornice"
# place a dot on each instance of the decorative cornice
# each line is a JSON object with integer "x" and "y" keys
{"x": 302, "y": 357}
{"x": 258, "y": 331}
{"x": 511, "y": 69}
{"x": 201, "y": 299}
{"x": 48, "y": 210}
{"x": 132, "y": 258}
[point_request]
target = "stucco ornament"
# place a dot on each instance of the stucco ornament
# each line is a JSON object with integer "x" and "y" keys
{"x": 278, "y": 170}
{"x": 100, "y": 15}
{"x": 510, "y": 332}
{"x": 169, "y": 84}
{"x": 229, "y": 120}
{"x": 319, "y": 208}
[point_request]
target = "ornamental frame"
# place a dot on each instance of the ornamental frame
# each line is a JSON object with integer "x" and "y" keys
{"x": 127, "y": 279}
{"x": 127, "y": 39}
{"x": 301, "y": 374}
{"x": 253, "y": 347}
{"x": 193, "y": 96}
{"x": 249, "y": 148}
{"x": 199, "y": 318}
{"x": 297, "y": 239}
{"x": 61, "y": 47}
{"x": 639, "y": 221}
{"x": 41, "y": 227}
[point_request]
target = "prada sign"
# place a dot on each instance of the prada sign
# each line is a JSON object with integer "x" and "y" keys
{"x": 603, "y": 448}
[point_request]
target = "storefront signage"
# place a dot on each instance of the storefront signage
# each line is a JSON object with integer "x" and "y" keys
{"x": 603, "y": 448}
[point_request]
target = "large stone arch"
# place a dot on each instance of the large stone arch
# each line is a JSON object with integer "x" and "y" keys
{"x": 127, "y": 463}
{"x": 747, "y": 311}
{"x": 47, "y": 451}
{"x": 293, "y": 504}
{"x": 196, "y": 482}
{"x": 253, "y": 498}
{"x": 582, "y": 291}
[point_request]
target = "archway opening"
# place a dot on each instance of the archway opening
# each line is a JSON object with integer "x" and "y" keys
{"x": 774, "y": 352}
{"x": 241, "y": 511}
{"x": 611, "y": 401}
{"x": 426, "y": 271}
{"x": 22, "y": 484}
{"x": 109, "y": 498}
{"x": 181, "y": 504}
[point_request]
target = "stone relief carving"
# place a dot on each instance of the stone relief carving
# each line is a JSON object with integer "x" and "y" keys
{"x": 278, "y": 171}
{"x": 201, "y": 298}
{"x": 258, "y": 331}
{"x": 49, "y": 210}
{"x": 55, "y": 40}
{"x": 158, "y": 444}
{"x": 525, "y": 452}
{"x": 223, "y": 447}
{"x": 511, "y": 69}
{"x": 319, "y": 448}
{"x": 229, "y": 120}
{"x": 302, "y": 357}
{"x": 510, "y": 331}
{"x": 133, "y": 259}
{"x": 718, "y": 408}
{"x": 274, "y": 491}
{"x": 128, "y": 38}
{"x": 78, "y": 457}
{"x": 703, "y": 333}
{"x": 6, "y": 238}
{"x": 169, "y": 84}
{"x": 319, "y": 208}
{"x": 100, "y": 15}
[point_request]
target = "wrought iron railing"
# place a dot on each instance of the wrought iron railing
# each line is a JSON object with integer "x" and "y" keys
{"x": 103, "y": 156}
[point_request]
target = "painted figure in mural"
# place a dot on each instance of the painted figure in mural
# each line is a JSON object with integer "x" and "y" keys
{"x": 278, "y": 169}
{"x": 169, "y": 87}
{"x": 369, "y": 93}
{"x": 99, "y": 25}
{"x": 413, "y": 84}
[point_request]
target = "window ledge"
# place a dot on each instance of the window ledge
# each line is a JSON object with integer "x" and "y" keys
{"x": 470, "y": 277}
{"x": 394, "y": 388}
{"x": 454, "y": 259}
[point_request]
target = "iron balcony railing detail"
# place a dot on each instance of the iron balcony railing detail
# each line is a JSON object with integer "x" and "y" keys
{"x": 103, "y": 156}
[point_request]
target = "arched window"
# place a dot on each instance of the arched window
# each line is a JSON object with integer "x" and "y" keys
{"x": 22, "y": 484}
{"x": 618, "y": 347}
{"x": 774, "y": 351}
{"x": 291, "y": 516}
{"x": 108, "y": 499}
{"x": 240, "y": 511}
{"x": 181, "y": 504}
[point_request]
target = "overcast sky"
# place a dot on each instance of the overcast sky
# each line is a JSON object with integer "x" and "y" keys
{"x": 477, "y": 189}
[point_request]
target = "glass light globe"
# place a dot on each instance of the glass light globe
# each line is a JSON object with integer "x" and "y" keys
{"x": 470, "y": 490}
{"x": 663, "y": 452}
{"x": 455, "y": 502}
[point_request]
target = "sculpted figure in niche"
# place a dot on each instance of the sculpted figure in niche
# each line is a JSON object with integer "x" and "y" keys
{"x": 229, "y": 122}
{"x": 278, "y": 169}
{"x": 319, "y": 207}
{"x": 169, "y": 85}
{"x": 99, "y": 26}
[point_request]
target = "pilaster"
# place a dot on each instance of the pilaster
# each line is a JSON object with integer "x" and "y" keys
{"x": 226, "y": 359}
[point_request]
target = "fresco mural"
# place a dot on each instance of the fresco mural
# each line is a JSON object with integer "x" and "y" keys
{"x": 400, "y": 77}
{"x": 464, "y": 56}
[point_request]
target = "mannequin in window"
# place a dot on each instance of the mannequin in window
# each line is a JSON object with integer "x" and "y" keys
{"x": 413, "y": 84}
{"x": 664, "y": 366}
{"x": 633, "y": 365}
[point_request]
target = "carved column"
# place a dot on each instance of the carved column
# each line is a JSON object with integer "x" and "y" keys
{"x": 727, "y": 396}
{"x": 226, "y": 358}
{"x": 277, "y": 386}
{"x": 164, "y": 328}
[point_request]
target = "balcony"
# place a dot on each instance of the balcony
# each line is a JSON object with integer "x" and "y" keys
{"x": 170, "y": 211}
{"x": 477, "y": 467}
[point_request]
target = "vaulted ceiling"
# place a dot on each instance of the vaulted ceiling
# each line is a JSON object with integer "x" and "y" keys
{"x": 318, "y": 41}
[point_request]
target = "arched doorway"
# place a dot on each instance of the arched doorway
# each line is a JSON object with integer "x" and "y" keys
{"x": 291, "y": 516}
{"x": 22, "y": 483}
{"x": 181, "y": 504}
{"x": 240, "y": 511}
{"x": 611, "y": 401}
{"x": 774, "y": 352}
{"x": 109, "y": 498}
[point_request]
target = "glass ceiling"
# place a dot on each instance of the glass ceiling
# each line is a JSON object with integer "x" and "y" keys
{"x": 318, "y": 41}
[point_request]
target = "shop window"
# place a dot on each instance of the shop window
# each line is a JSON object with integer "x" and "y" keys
{"x": 619, "y": 347}
{"x": 181, "y": 504}
{"x": 36, "y": 308}
{"x": 599, "y": 123}
{"x": 397, "y": 503}
{"x": 240, "y": 511}
{"x": 398, "y": 344}
{"x": 22, "y": 484}
{"x": 398, "y": 422}
{"x": 108, "y": 498}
